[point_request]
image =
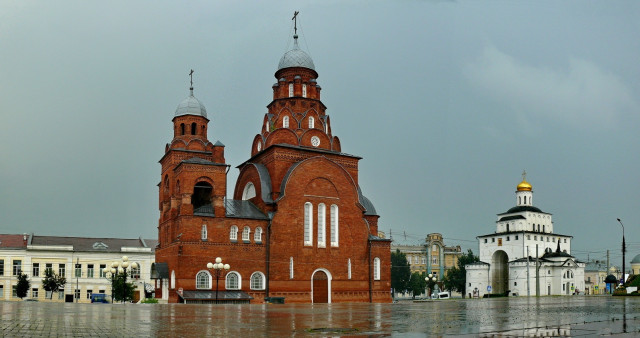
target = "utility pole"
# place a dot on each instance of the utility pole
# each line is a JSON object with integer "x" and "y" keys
{"x": 528, "y": 287}
{"x": 537, "y": 273}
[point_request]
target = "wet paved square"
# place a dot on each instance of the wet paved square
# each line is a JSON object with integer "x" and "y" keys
{"x": 502, "y": 317}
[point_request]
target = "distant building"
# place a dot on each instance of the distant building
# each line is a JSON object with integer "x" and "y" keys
{"x": 525, "y": 239}
{"x": 80, "y": 260}
{"x": 635, "y": 265}
{"x": 431, "y": 256}
{"x": 595, "y": 273}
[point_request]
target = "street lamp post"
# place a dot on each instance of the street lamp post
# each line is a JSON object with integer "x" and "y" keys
{"x": 430, "y": 279}
{"x": 623, "y": 252}
{"x": 218, "y": 270}
{"x": 111, "y": 276}
{"x": 120, "y": 268}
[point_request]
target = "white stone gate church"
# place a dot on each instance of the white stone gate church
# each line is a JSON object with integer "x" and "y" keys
{"x": 523, "y": 240}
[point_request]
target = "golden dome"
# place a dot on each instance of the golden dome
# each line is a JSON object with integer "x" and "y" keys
{"x": 524, "y": 186}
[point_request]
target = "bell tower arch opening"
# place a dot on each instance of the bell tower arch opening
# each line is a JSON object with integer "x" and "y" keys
{"x": 201, "y": 197}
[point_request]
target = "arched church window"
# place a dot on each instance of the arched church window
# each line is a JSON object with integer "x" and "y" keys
{"x": 290, "y": 267}
{"x": 349, "y": 268}
{"x": 525, "y": 200}
{"x": 249, "y": 191}
{"x": 193, "y": 128}
{"x": 334, "y": 225}
{"x": 173, "y": 279}
{"x": 322, "y": 220}
{"x": 311, "y": 122}
{"x": 178, "y": 186}
{"x": 233, "y": 233}
{"x": 285, "y": 122}
{"x": 257, "y": 281}
{"x": 304, "y": 90}
{"x": 376, "y": 268}
{"x": 201, "y": 198}
{"x": 204, "y": 232}
{"x": 519, "y": 200}
{"x": 257, "y": 236}
{"x": 166, "y": 183}
{"x": 507, "y": 227}
{"x": 543, "y": 228}
{"x": 181, "y": 128}
{"x": 202, "y": 280}
{"x": 308, "y": 223}
{"x": 245, "y": 234}
{"x": 290, "y": 89}
{"x": 233, "y": 281}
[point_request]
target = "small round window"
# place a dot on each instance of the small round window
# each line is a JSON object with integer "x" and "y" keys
{"x": 315, "y": 141}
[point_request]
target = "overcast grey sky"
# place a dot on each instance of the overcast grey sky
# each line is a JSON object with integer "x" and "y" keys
{"x": 447, "y": 102}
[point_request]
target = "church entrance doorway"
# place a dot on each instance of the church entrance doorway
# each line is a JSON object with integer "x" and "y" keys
{"x": 320, "y": 287}
{"x": 500, "y": 275}
{"x": 568, "y": 288}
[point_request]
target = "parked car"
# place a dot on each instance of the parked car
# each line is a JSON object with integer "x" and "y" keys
{"x": 99, "y": 298}
{"x": 441, "y": 295}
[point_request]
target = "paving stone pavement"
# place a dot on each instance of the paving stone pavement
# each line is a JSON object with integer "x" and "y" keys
{"x": 506, "y": 317}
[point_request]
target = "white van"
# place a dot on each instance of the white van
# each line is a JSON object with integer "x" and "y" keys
{"x": 441, "y": 295}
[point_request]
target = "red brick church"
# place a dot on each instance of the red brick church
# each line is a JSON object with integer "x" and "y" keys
{"x": 298, "y": 225}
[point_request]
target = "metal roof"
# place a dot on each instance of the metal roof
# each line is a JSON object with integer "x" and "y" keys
{"x": 509, "y": 218}
{"x": 366, "y": 203}
{"x": 12, "y": 241}
{"x": 211, "y": 295}
{"x": 95, "y": 244}
{"x": 296, "y": 57}
{"x": 191, "y": 106}
{"x": 243, "y": 209}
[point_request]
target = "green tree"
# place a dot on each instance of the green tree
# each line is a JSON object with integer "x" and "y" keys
{"x": 456, "y": 278}
{"x": 122, "y": 290}
{"x": 52, "y": 282}
{"x": 417, "y": 283}
{"x": 23, "y": 285}
{"x": 400, "y": 271}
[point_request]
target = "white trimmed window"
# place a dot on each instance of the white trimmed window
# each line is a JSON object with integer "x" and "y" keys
{"x": 233, "y": 281}
{"x": 173, "y": 279}
{"x": 203, "y": 280}
{"x": 204, "y": 232}
{"x": 376, "y": 268}
{"x": 334, "y": 225}
{"x": 304, "y": 90}
{"x": 290, "y": 89}
{"x": 257, "y": 281}
{"x": 322, "y": 225}
{"x": 246, "y": 234}
{"x": 311, "y": 122}
{"x": 349, "y": 268}
{"x": 308, "y": 224}
{"x": 290, "y": 267}
{"x": 233, "y": 233}
{"x": 285, "y": 122}
{"x": 257, "y": 236}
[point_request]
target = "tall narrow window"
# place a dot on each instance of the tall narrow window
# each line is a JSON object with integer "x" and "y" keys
{"x": 290, "y": 267}
{"x": 349, "y": 268}
{"x": 233, "y": 233}
{"x": 311, "y": 122}
{"x": 257, "y": 236}
{"x": 78, "y": 270}
{"x": 525, "y": 200}
{"x": 181, "y": 128}
{"x": 285, "y": 122}
{"x": 308, "y": 224}
{"x": 245, "y": 234}
{"x": 334, "y": 225}
{"x": 290, "y": 89}
{"x": 173, "y": 279}
{"x": 322, "y": 221}
{"x": 204, "y": 232}
{"x": 543, "y": 229}
{"x": 1, "y": 267}
{"x": 17, "y": 267}
{"x": 89, "y": 270}
{"x": 193, "y": 128}
{"x": 36, "y": 270}
{"x": 507, "y": 227}
{"x": 304, "y": 90}
{"x": 376, "y": 268}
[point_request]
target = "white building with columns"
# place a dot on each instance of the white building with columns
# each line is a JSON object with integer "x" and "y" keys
{"x": 524, "y": 256}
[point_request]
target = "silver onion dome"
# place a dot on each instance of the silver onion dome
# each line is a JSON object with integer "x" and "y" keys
{"x": 296, "y": 57}
{"x": 191, "y": 106}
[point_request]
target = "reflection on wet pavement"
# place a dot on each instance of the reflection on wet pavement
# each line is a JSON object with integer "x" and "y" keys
{"x": 500, "y": 317}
